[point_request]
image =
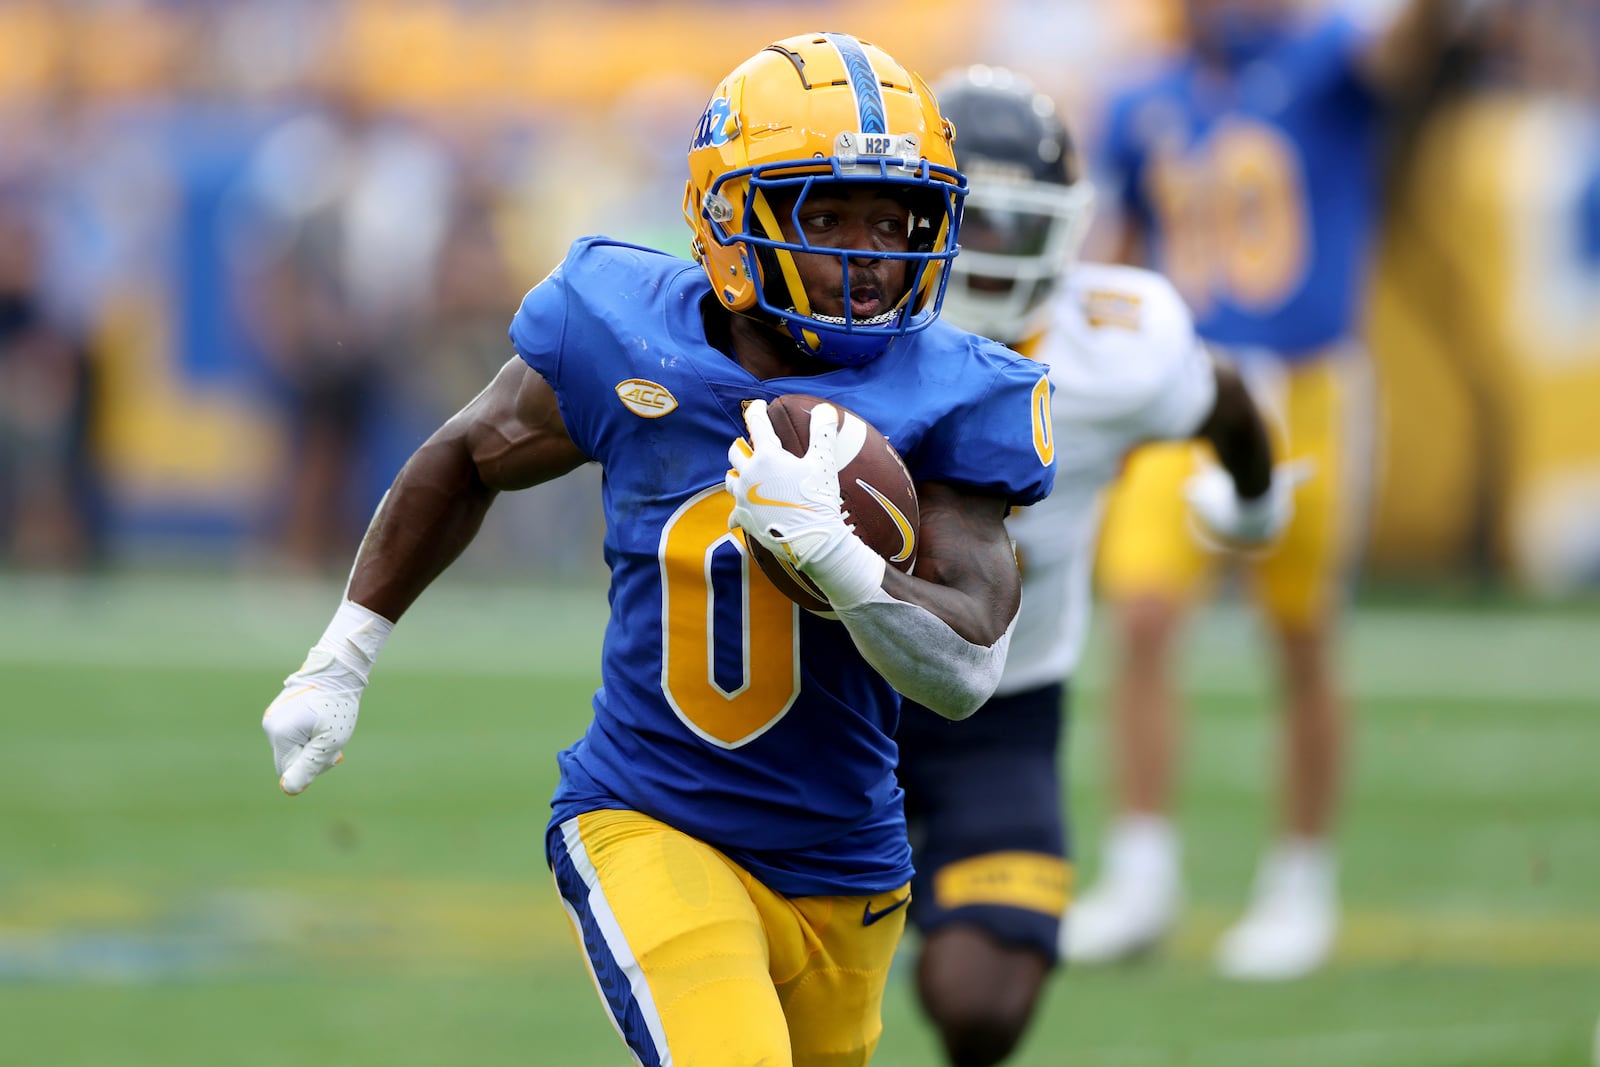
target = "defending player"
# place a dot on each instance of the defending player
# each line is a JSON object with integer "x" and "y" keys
{"x": 1249, "y": 176}
{"x": 728, "y": 836}
{"x": 983, "y": 796}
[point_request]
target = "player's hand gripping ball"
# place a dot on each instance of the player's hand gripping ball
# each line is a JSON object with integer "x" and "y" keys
{"x": 848, "y": 472}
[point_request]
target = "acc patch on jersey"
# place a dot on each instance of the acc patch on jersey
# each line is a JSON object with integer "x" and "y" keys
{"x": 645, "y": 398}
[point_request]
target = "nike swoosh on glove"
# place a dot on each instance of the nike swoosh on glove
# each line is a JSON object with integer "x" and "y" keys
{"x": 312, "y": 719}
{"x": 791, "y": 505}
{"x": 1221, "y": 517}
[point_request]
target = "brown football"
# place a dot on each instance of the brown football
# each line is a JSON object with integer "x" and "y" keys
{"x": 879, "y": 497}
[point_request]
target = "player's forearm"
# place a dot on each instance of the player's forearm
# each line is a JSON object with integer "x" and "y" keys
{"x": 966, "y": 570}
{"x": 428, "y": 517}
{"x": 978, "y": 615}
{"x": 923, "y": 658}
{"x": 940, "y": 638}
{"x": 1239, "y": 436}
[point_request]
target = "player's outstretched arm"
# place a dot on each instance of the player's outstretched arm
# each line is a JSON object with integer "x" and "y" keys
{"x": 508, "y": 437}
{"x": 1246, "y": 502}
{"x": 1238, "y": 434}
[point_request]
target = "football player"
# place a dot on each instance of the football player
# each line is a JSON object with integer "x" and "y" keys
{"x": 983, "y": 797}
{"x": 728, "y": 837}
{"x": 1249, "y": 175}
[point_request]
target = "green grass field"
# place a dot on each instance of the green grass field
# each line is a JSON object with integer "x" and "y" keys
{"x": 162, "y": 904}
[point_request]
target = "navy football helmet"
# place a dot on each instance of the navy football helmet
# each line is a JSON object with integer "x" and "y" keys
{"x": 1028, "y": 208}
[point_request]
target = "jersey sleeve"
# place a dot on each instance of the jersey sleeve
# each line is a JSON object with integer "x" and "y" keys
{"x": 1185, "y": 391}
{"x": 999, "y": 442}
{"x": 540, "y": 336}
{"x": 1128, "y": 365}
{"x": 539, "y": 326}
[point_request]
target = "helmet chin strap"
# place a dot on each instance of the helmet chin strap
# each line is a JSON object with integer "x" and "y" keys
{"x": 775, "y": 324}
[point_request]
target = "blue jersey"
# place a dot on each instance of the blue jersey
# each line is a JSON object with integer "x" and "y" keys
{"x": 1260, "y": 190}
{"x": 724, "y": 709}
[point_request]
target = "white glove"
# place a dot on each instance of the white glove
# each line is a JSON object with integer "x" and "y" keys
{"x": 1221, "y": 517}
{"x": 791, "y": 505}
{"x": 313, "y": 718}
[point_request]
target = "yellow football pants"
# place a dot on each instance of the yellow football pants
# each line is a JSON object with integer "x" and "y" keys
{"x": 1317, "y": 411}
{"x": 700, "y": 965}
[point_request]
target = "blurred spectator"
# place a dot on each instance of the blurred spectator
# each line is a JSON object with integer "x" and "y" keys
{"x": 48, "y": 513}
{"x": 347, "y": 209}
{"x": 1487, "y": 312}
{"x": 1247, "y": 172}
{"x": 130, "y": 120}
{"x": 465, "y": 339}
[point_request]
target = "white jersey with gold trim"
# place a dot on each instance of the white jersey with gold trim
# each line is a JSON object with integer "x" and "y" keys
{"x": 1127, "y": 368}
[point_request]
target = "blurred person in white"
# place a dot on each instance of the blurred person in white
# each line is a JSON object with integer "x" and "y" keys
{"x": 983, "y": 796}
{"x": 1248, "y": 171}
{"x": 346, "y": 210}
{"x": 48, "y": 491}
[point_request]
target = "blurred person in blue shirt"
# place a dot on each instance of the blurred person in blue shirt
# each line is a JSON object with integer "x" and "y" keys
{"x": 1248, "y": 172}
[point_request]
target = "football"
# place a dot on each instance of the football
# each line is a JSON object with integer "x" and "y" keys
{"x": 879, "y": 498}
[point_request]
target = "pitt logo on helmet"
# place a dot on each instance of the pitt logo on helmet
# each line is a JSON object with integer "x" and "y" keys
{"x": 717, "y": 126}
{"x": 645, "y": 398}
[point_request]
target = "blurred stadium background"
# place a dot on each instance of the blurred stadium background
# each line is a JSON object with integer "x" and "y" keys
{"x": 251, "y": 252}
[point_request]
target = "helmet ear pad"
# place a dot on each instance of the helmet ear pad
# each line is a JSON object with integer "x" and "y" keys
{"x": 726, "y": 265}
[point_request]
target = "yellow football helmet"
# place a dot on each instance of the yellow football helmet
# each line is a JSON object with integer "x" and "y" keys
{"x": 820, "y": 108}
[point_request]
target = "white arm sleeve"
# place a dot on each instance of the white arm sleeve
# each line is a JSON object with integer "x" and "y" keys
{"x": 922, "y": 657}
